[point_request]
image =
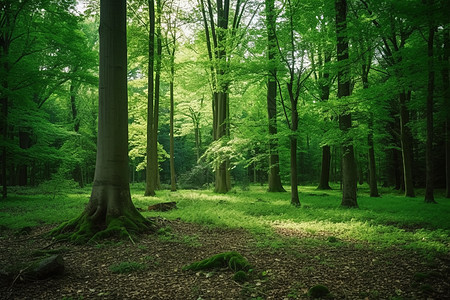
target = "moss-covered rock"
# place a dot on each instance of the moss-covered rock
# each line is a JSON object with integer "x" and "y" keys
{"x": 318, "y": 291}
{"x": 240, "y": 276}
{"x": 231, "y": 260}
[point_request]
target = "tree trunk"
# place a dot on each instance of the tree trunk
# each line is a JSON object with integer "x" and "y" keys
{"x": 24, "y": 143}
{"x": 274, "y": 166}
{"x": 150, "y": 179}
{"x": 371, "y": 155}
{"x": 406, "y": 143}
{"x": 325, "y": 170}
{"x": 349, "y": 175}
{"x": 293, "y": 149}
{"x": 77, "y": 172}
{"x": 110, "y": 209}
{"x": 446, "y": 94}
{"x": 221, "y": 184}
{"x": 326, "y": 150}
{"x": 5, "y": 40}
{"x": 429, "y": 194}
{"x": 372, "y": 165}
{"x": 173, "y": 185}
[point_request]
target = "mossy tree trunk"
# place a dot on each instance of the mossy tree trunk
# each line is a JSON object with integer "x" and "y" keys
{"x": 110, "y": 209}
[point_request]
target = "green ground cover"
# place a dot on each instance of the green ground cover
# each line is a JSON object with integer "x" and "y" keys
{"x": 391, "y": 220}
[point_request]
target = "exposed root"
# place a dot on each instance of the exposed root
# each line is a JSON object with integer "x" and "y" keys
{"x": 83, "y": 229}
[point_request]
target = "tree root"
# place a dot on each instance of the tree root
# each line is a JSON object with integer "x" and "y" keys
{"x": 84, "y": 229}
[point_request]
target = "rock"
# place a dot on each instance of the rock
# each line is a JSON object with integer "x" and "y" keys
{"x": 48, "y": 267}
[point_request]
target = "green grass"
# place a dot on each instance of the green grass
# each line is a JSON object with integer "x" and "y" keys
{"x": 391, "y": 220}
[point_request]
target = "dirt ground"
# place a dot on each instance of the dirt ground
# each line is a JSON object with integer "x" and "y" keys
{"x": 350, "y": 271}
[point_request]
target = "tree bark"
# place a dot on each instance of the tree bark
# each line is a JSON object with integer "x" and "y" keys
{"x": 406, "y": 143}
{"x": 274, "y": 166}
{"x": 349, "y": 174}
{"x": 151, "y": 177}
{"x": 325, "y": 170}
{"x": 173, "y": 185}
{"x": 373, "y": 186}
{"x": 372, "y": 164}
{"x": 429, "y": 194}
{"x": 110, "y": 209}
{"x": 5, "y": 42}
{"x": 293, "y": 162}
{"x": 326, "y": 150}
{"x": 446, "y": 94}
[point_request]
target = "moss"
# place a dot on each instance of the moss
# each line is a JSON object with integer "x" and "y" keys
{"x": 240, "y": 276}
{"x": 231, "y": 260}
{"x": 318, "y": 291}
{"x": 82, "y": 229}
{"x": 126, "y": 267}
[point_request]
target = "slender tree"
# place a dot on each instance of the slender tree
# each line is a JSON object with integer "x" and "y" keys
{"x": 429, "y": 194}
{"x": 110, "y": 209}
{"x": 219, "y": 38}
{"x": 349, "y": 175}
{"x": 446, "y": 94}
{"x": 274, "y": 166}
{"x": 152, "y": 141}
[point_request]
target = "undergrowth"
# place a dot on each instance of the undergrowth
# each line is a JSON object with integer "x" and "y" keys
{"x": 390, "y": 220}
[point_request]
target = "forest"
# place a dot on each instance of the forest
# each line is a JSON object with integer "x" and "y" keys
{"x": 228, "y": 149}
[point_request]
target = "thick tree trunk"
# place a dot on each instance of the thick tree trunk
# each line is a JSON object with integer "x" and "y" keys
{"x": 221, "y": 182}
{"x": 325, "y": 170}
{"x": 110, "y": 193}
{"x": 110, "y": 209}
{"x": 429, "y": 193}
{"x": 406, "y": 143}
{"x": 349, "y": 174}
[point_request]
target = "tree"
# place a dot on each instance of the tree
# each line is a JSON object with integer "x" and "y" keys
{"x": 349, "y": 176}
{"x": 429, "y": 195}
{"x": 110, "y": 209}
{"x": 220, "y": 40}
{"x": 293, "y": 58}
{"x": 274, "y": 165}
{"x": 170, "y": 41}
{"x": 152, "y": 109}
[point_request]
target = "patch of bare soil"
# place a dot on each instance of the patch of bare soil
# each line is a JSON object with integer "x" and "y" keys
{"x": 349, "y": 271}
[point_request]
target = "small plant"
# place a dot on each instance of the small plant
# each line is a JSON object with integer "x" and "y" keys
{"x": 126, "y": 267}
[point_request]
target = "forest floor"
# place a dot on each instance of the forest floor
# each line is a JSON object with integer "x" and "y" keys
{"x": 285, "y": 265}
